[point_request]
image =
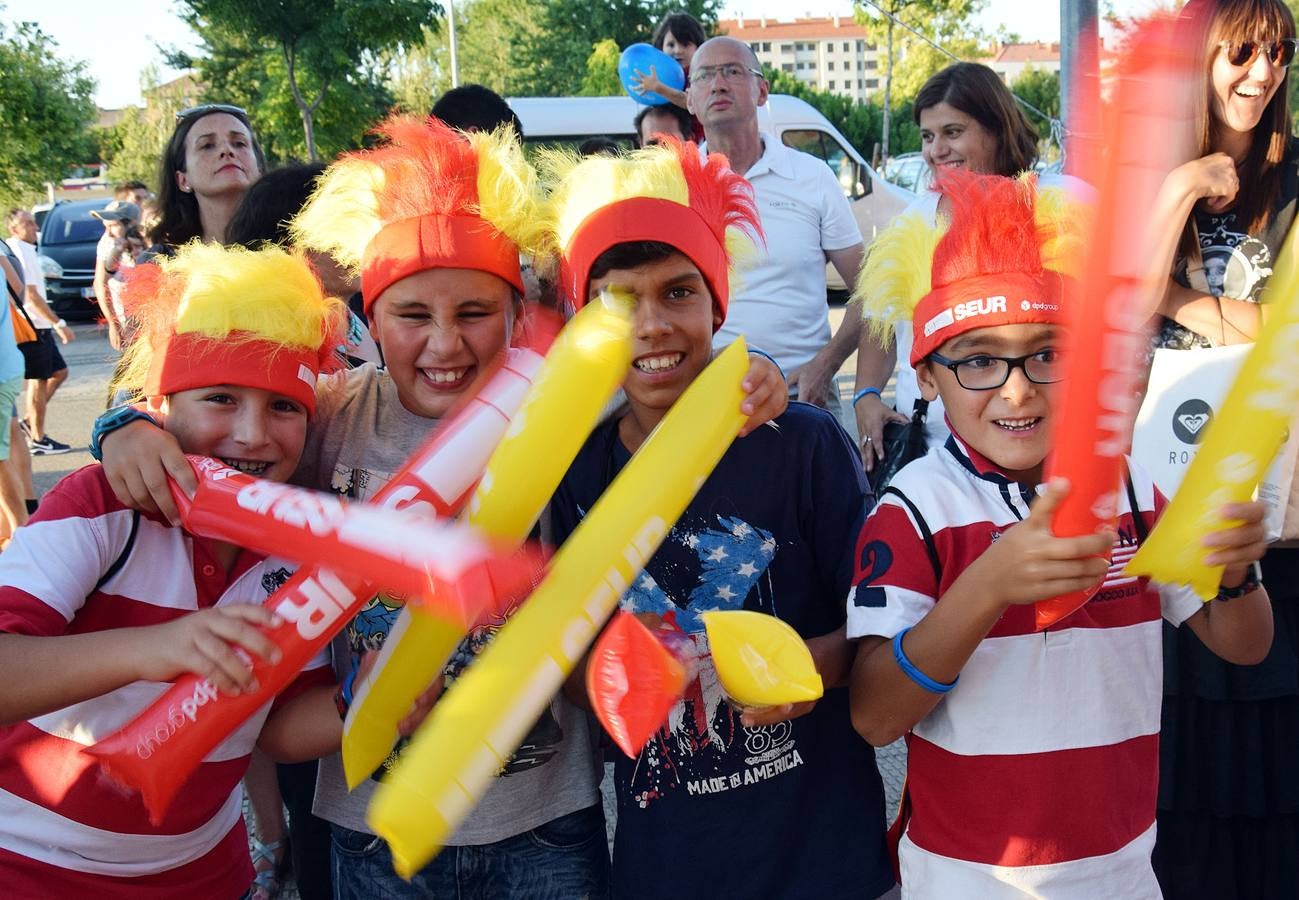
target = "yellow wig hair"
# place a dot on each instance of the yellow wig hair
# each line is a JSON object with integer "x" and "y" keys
{"x": 420, "y": 172}
{"x": 229, "y": 294}
{"x": 898, "y": 271}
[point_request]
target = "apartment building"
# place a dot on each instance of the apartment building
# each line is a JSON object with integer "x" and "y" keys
{"x": 830, "y": 53}
{"x": 1010, "y": 60}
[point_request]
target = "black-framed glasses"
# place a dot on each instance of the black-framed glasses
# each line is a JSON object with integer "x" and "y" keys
{"x": 1243, "y": 53}
{"x": 987, "y": 373}
{"x": 727, "y": 71}
{"x": 196, "y": 112}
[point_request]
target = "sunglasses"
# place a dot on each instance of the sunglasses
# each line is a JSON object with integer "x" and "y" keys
{"x": 1242, "y": 54}
{"x": 196, "y": 112}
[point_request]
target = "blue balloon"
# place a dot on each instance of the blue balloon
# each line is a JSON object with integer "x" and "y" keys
{"x": 641, "y": 58}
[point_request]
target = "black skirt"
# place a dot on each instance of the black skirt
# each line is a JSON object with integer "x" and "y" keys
{"x": 1229, "y": 760}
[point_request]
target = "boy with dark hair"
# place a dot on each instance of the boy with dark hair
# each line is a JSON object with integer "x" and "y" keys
{"x": 772, "y": 803}
{"x": 472, "y": 107}
{"x": 1033, "y": 757}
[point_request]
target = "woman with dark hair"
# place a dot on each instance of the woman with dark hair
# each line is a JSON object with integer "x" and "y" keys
{"x": 211, "y": 160}
{"x": 1229, "y": 785}
{"x": 679, "y": 36}
{"x": 968, "y": 118}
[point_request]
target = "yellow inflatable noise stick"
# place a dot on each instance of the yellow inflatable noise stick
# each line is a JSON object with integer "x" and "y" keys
{"x": 583, "y": 369}
{"x": 1238, "y": 447}
{"x": 482, "y": 720}
{"x": 760, "y": 660}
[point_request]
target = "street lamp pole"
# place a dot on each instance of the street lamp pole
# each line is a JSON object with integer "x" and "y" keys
{"x": 1079, "y": 46}
{"x": 451, "y": 33}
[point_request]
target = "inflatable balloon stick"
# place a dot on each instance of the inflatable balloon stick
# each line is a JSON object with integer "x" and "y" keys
{"x": 473, "y": 730}
{"x": 634, "y": 676}
{"x": 1239, "y": 446}
{"x": 1109, "y": 301}
{"x": 157, "y": 750}
{"x": 403, "y": 551}
{"x": 582, "y": 371}
{"x": 760, "y": 660}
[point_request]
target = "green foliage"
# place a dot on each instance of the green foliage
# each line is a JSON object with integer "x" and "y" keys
{"x": 309, "y": 59}
{"x": 133, "y": 147}
{"x": 601, "y": 79}
{"x": 861, "y": 123}
{"x": 570, "y": 30}
{"x": 1042, "y": 89}
{"x": 45, "y": 111}
{"x": 922, "y": 62}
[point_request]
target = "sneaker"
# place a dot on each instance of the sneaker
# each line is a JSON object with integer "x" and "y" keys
{"x": 47, "y": 446}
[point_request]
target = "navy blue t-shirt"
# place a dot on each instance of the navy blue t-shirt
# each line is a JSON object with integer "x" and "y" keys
{"x": 711, "y": 808}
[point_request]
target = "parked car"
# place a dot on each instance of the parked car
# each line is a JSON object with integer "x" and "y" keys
{"x": 67, "y": 239}
{"x": 570, "y": 120}
{"x": 908, "y": 171}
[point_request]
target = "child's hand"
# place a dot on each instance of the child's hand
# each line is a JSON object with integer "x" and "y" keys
{"x": 204, "y": 643}
{"x": 1238, "y": 547}
{"x": 647, "y": 83}
{"x": 766, "y": 394}
{"x": 1028, "y": 563}
{"x": 420, "y": 709}
{"x": 770, "y": 715}
{"x": 138, "y": 457}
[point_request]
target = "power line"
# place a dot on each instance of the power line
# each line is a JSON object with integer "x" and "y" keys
{"x": 1057, "y": 127}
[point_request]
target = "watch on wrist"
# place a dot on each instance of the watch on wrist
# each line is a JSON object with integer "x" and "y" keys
{"x": 61, "y": 323}
{"x": 112, "y": 420}
{"x": 1253, "y": 581}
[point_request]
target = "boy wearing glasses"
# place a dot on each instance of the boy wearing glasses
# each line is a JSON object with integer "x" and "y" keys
{"x": 1033, "y": 757}
{"x": 780, "y": 305}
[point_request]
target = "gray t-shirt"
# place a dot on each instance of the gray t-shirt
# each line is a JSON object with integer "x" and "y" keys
{"x": 359, "y": 436}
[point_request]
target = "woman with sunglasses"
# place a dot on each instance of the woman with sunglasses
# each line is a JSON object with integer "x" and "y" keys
{"x": 1228, "y": 824}
{"x": 212, "y": 158}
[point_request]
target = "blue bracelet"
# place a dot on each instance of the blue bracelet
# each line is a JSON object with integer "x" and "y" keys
{"x": 919, "y": 677}
{"x": 864, "y": 392}
{"x": 766, "y": 355}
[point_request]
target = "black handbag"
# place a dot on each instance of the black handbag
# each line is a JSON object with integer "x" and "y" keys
{"x": 903, "y": 442}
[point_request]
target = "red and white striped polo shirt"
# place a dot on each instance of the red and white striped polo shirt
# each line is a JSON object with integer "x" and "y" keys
{"x": 65, "y": 828}
{"x": 1036, "y": 775}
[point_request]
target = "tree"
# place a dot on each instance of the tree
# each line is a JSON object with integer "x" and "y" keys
{"x": 133, "y": 146}
{"x": 45, "y": 111}
{"x": 601, "y": 79}
{"x": 323, "y": 46}
{"x": 935, "y": 19}
{"x": 572, "y": 28}
{"x": 861, "y": 123}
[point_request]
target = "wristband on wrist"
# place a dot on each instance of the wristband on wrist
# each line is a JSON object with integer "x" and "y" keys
{"x": 919, "y": 677}
{"x": 865, "y": 392}
{"x": 112, "y": 420}
{"x": 767, "y": 356}
{"x": 61, "y": 323}
{"x": 1253, "y": 581}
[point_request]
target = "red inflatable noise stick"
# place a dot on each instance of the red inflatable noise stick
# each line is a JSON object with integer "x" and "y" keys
{"x": 161, "y": 747}
{"x": 634, "y": 677}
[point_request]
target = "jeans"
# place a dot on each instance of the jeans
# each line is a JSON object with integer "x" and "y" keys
{"x": 565, "y": 859}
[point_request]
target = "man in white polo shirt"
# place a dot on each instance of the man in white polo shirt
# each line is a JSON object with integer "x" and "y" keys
{"x": 779, "y": 304}
{"x": 45, "y": 368}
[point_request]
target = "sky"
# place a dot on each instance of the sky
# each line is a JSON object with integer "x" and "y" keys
{"x": 119, "y": 40}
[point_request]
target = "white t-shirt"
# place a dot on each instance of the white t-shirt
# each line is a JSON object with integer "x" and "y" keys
{"x": 33, "y": 276}
{"x": 907, "y": 389}
{"x": 778, "y": 297}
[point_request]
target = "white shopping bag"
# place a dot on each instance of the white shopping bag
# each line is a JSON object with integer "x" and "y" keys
{"x": 1185, "y": 391}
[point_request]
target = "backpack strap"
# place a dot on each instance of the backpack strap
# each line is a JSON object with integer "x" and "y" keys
{"x": 1138, "y": 520}
{"x": 121, "y": 557}
{"x": 928, "y": 536}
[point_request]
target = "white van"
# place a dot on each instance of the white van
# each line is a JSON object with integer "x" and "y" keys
{"x": 571, "y": 120}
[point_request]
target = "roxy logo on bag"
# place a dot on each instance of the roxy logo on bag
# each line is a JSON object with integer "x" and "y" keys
{"x": 1190, "y": 421}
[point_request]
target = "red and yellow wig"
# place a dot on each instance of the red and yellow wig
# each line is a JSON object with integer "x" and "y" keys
{"x": 999, "y": 260}
{"x": 432, "y": 197}
{"x": 669, "y": 194}
{"x": 227, "y": 315}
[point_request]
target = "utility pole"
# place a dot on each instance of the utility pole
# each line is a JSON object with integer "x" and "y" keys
{"x": 451, "y": 34}
{"x": 1079, "y": 54}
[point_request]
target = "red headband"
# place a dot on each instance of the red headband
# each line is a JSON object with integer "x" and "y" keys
{"x": 984, "y": 301}
{"x": 436, "y": 242}
{"x": 191, "y": 360}
{"x": 645, "y": 219}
